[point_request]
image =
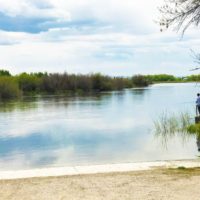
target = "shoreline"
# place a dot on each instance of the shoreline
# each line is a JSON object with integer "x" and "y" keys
{"x": 171, "y": 180}
{"x": 96, "y": 169}
{"x": 70, "y": 93}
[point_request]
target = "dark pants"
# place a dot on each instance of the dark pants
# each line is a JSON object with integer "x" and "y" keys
{"x": 198, "y": 109}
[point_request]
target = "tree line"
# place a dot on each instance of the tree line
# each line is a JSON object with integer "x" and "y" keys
{"x": 13, "y": 86}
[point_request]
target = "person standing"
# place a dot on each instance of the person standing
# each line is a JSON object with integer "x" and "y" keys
{"x": 198, "y": 104}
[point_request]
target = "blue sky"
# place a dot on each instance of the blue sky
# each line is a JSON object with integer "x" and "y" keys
{"x": 84, "y": 36}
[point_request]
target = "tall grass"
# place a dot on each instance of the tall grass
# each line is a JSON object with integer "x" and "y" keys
{"x": 169, "y": 125}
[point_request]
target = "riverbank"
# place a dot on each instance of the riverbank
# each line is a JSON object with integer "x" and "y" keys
{"x": 158, "y": 182}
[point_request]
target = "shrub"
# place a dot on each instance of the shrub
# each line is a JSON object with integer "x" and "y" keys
{"x": 8, "y": 88}
{"x": 194, "y": 129}
{"x": 4, "y": 73}
{"x": 140, "y": 81}
{"x": 193, "y": 77}
{"x": 28, "y": 82}
{"x": 84, "y": 83}
{"x": 161, "y": 78}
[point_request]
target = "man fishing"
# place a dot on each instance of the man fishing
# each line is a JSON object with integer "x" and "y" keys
{"x": 198, "y": 104}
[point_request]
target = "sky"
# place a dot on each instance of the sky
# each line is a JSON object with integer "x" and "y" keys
{"x": 114, "y": 37}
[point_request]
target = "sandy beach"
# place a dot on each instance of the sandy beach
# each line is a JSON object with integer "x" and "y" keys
{"x": 154, "y": 184}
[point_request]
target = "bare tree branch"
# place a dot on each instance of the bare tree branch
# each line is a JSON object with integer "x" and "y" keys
{"x": 180, "y": 14}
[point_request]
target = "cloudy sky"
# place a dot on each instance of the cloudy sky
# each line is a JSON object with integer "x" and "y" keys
{"x": 82, "y": 36}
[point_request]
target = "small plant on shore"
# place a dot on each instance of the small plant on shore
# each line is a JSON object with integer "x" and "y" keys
{"x": 194, "y": 129}
{"x": 181, "y": 168}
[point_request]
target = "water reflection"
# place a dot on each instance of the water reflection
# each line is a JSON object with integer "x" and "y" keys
{"x": 34, "y": 102}
{"x": 17, "y": 106}
{"x": 108, "y": 128}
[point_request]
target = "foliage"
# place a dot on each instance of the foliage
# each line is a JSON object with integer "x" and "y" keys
{"x": 28, "y": 82}
{"x": 39, "y": 74}
{"x": 140, "y": 81}
{"x": 162, "y": 78}
{"x": 194, "y": 129}
{"x": 195, "y": 78}
{"x": 100, "y": 83}
{"x": 37, "y": 83}
{"x": 93, "y": 82}
{"x": 4, "y": 73}
{"x": 8, "y": 88}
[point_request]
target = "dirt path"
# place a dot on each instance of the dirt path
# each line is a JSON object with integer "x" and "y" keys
{"x": 159, "y": 184}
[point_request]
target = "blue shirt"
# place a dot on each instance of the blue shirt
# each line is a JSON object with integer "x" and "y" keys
{"x": 198, "y": 101}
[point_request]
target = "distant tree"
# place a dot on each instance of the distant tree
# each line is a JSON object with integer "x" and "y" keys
{"x": 4, "y": 73}
{"x": 28, "y": 82}
{"x": 161, "y": 78}
{"x": 180, "y": 13}
{"x": 39, "y": 74}
{"x": 97, "y": 82}
{"x": 8, "y": 88}
{"x": 140, "y": 81}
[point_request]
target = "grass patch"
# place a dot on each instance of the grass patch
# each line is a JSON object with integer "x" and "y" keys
{"x": 181, "y": 168}
{"x": 183, "y": 171}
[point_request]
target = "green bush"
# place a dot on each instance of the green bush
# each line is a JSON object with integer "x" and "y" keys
{"x": 4, "y": 73}
{"x": 29, "y": 82}
{"x": 161, "y": 78}
{"x": 193, "y": 78}
{"x": 140, "y": 81}
{"x": 194, "y": 129}
{"x": 8, "y": 88}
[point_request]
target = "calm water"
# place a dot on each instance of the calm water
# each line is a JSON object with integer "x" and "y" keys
{"x": 112, "y": 127}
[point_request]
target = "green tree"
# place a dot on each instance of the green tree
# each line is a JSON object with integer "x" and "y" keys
{"x": 28, "y": 82}
{"x": 140, "y": 81}
{"x": 8, "y": 88}
{"x": 4, "y": 73}
{"x": 161, "y": 78}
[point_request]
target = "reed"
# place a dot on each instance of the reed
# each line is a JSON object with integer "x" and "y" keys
{"x": 170, "y": 125}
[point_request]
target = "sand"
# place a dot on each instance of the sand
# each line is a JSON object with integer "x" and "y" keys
{"x": 156, "y": 184}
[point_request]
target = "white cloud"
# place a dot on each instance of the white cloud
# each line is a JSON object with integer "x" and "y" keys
{"x": 30, "y": 8}
{"x": 111, "y": 53}
{"x": 112, "y": 37}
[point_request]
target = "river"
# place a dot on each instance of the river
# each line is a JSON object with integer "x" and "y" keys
{"x": 112, "y": 127}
